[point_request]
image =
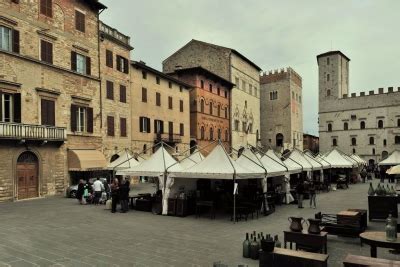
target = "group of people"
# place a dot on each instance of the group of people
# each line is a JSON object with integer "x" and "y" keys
{"x": 301, "y": 190}
{"x": 99, "y": 192}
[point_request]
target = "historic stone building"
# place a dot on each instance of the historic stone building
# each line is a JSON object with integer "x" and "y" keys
{"x": 115, "y": 85}
{"x": 311, "y": 143}
{"x": 281, "y": 110}
{"x": 49, "y": 92}
{"x": 209, "y": 107}
{"x": 236, "y": 68}
{"x": 365, "y": 124}
{"x": 159, "y": 108}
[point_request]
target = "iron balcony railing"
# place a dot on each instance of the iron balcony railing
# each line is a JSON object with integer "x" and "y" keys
{"x": 21, "y": 131}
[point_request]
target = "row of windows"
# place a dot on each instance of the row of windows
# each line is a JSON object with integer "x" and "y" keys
{"x": 210, "y": 88}
{"x": 371, "y": 141}
{"x": 110, "y": 91}
{"x": 211, "y": 134}
{"x": 158, "y": 100}
{"x": 144, "y": 126}
{"x": 246, "y": 127}
{"x": 246, "y": 87}
{"x": 211, "y": 109}
{"x": 380, "y": 125}
{"x": 158, "y": 81}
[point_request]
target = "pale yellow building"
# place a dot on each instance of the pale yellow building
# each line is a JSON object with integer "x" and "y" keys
{"x": 160, "y": 110}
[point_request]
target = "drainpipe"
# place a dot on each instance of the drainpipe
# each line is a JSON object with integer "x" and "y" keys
{"x": 230, "y": 100}
{"x": 99, "y": 66}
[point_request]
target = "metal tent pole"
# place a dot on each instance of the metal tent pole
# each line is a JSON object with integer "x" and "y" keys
{"x": 234, "y": 197}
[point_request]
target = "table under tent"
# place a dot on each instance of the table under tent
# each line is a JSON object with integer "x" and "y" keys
{"x": 220, "y": 179}
{"x": 392, "y": 160}
{"x": 342, "y": 167}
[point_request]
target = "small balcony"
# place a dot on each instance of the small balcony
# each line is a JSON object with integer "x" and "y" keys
{"x": 168, "y": 138}
{"x": 18, "y": 131}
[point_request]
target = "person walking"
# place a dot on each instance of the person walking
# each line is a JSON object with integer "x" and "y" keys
{"x": 313, "y": 195}
{"x": 382, "y": 173}
{"x": 98, "y": 188}
{"x": 114, "y": 195}
{"x": 124, "y": 195}
{"x": 363, "y": 174}
{"x": 80, "y": 191}
{"x": 300, "y": 194}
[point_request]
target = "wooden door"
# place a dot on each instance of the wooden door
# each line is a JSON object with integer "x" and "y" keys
{"x": 27, "y": 176}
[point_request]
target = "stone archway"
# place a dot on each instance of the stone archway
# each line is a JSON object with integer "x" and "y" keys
{"x": 27, "y": 178}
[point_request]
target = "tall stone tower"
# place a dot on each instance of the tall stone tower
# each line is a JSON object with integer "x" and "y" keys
{"x": 333, "y": 77}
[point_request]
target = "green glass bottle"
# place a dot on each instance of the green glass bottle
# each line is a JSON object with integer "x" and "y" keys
{"x": 246, "y": 247}
{"x": 254, "y": 247}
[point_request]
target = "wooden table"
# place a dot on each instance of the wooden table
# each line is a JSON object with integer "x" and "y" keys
{"x": 286, "y": 257}
{"x": 378, "y": 239}
{"x": 307, "y": 241}
{"x": 361, "y": 261}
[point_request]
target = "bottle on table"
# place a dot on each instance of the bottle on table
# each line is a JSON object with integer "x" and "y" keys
{"x": 246, "y": 247}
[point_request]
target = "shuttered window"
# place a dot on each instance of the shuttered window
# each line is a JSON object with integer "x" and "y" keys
{"x": 109, "y": 59}
{"x": 144, "y": 125}
{"x": 181, "y": 129}
{"x": 81, "y": 119}
{"x": 110, "y": 90}
{"x": 122, "y": 123}
{"x": 144, "y": 95}
{"x": 46, "y": 8}
{"x": 46, "y": 51}
{"x": 170, "y": 102}
{"x": 80, "y": 63}
{"x": 122, "y": 64}
{"x": 158, "y": 99}
{"x": 48, "y": 112}
{"x": 158, "y": 126}
{"x": 79, "y": 21}
{"x": 110, "y": 126}
{"x": 181, "y": 105}
{"x": 122, "y": 93}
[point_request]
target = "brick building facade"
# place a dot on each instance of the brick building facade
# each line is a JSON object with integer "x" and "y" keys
{"x": 236, "y": 68}
{"x": 160, "y": 110}
{"x": 49, "y": 91}
{"x": 281, "y": 110}
{"x": 209, "y": 107}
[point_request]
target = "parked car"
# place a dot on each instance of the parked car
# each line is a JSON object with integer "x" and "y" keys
{"x": 71, "y": 191}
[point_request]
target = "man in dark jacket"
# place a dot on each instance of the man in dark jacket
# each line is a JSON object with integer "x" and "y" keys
{"x": 124, "y": 195}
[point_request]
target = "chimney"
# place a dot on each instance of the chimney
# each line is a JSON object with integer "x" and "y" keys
{"x": 362, "y": 94}
{"x": 353, "y": 95}
{"x": 371, "y": 92}
{"x": 380, "y": 90}
{"x": 390, "y": 90}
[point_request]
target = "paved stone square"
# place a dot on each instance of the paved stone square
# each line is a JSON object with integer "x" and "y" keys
{"x": 59, "y": 232}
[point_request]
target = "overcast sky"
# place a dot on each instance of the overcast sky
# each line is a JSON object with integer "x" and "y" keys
{"x": 273, "y": 34}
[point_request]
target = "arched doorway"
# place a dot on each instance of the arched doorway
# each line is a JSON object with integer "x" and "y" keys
{"x": 27, "y": 176}
{"x": 279, "y": 140}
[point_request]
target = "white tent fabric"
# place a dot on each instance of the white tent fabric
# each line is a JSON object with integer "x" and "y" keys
{"x": 292, "y": 167}
{"x": 315, "y": 163}
{"x": 217, "y": 165}
{"x": 156, "y": 165}
{"x": 355, "y": 162}
{"x": 393, "y": 159}
{"x": 338, "y": 160}
{"x": 358, "y": 159}
{"x": 321, "y": 160}
{"x": 308, "y": 165}
{"x": 124, "y": 161}
{"x": 248, "y": 159}
{"x": 273, "y": 164}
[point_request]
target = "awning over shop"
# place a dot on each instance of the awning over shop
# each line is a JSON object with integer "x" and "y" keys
{"x": 393, "y": 159}
{"x": 86, "y": 160}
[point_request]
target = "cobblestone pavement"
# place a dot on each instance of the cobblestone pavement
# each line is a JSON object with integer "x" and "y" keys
{"x": 59, "y": 232}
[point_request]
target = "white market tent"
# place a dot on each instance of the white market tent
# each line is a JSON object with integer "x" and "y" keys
{"x": 393, "y": 159}
{"x": 324, "y": 163}
{"x": 358, "y": 159}
{"x": 156, "y": 165}
{"x": 306, "y": 162}
{"x": 251, "y": 161}
{"x": 124, "y": 161}
{"x": 355, "y": 162}
{"x": 338, "y": 160}
{"x": 292, "y": 167}
{"x": 273, "y": 164}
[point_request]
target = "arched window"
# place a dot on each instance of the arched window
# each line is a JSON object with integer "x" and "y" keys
{"x": 144, "y": 149}
{"x": 226, "y": 136}
{"x": 279, "y": 140}
{"x": 373, "y": 151}
{"x": 334, "y": 142}
{"x": 397, "y": 139}
{"x": 202, "y": 133}
{"x": 398, "y": 122}
{"x": 211, "y": 108}
{"x": 210, "y": 87}
{"x": 211, "y": 134}
{"x": 202, "y": 105}
{"x": 371, "y": 140}
{"x": 328, "y": 92}
{"x": 345, "y": 126}
{"x": 354, "y": 151}
{"x": 202, "y": 84}
{"x": 219, "y": 134}
{"x": 362, "y": 125}
{"x": 353, "y": 141}
{"x": 380, "y": 124}
{"x": 219, "y": 110}
{"x": 329, "y": 127}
